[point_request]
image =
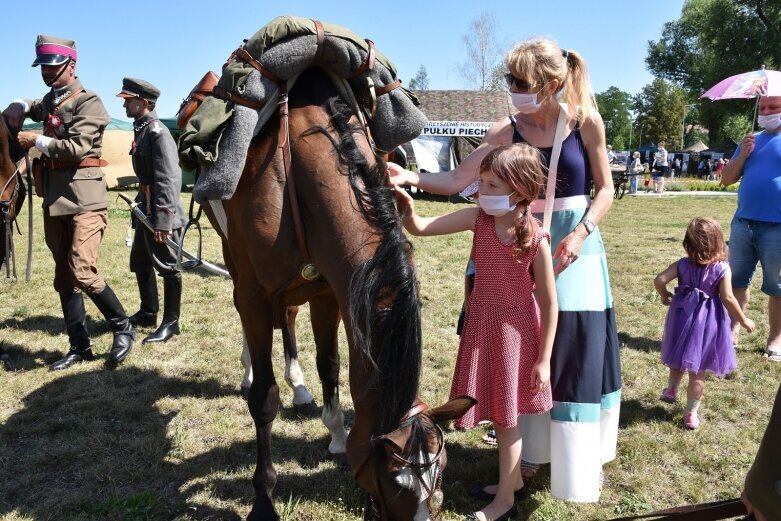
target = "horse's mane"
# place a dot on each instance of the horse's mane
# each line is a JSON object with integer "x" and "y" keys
{"x": 383, "y": 291}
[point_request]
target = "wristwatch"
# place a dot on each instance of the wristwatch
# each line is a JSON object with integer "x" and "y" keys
{"x": 588, "y": 225}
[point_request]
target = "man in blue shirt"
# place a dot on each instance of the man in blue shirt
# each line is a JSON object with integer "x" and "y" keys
{"x": 756, "y": 228}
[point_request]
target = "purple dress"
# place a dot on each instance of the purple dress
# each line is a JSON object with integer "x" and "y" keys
{"x": 697, "y": 333}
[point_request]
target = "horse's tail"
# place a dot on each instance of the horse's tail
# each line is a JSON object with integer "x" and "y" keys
{"x": 383, "y": 292}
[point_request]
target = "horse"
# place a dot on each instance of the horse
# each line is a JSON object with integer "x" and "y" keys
{"x": 350, "y": 231}
{"x": 12, "y": 193}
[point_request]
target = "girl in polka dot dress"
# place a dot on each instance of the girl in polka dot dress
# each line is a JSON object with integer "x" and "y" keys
{"x": 504, "y": 355}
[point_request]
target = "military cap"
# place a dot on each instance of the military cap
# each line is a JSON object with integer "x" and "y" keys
{"x": 135, "y": 88}
{"x": 50, "y": 50}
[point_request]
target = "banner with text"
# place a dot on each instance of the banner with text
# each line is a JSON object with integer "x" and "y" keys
{"x": 456, "y": 128}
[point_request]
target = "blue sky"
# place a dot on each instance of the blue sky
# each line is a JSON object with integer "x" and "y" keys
{"x": 173, "y": 43}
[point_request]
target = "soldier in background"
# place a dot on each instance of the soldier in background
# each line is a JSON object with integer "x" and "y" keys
{"x": 75, "y": 199}
{"x": 156, "y": 164}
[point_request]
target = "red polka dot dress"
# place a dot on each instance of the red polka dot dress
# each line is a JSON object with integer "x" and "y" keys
{"x": 501, "y": 338}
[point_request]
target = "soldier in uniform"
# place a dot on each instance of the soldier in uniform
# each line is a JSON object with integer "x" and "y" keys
{"x": 156, "y": 163}
{"x": 75, "y": 199}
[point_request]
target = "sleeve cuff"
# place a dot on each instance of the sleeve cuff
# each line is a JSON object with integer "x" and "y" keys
{"x": 42, "y": 144}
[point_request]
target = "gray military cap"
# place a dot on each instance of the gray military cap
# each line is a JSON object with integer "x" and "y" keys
{"x": 50, "y": 50}
{"x": 135, "y": 88}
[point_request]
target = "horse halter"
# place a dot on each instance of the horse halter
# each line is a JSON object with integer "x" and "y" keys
{"x": 435, "y": 498}
{"x": 6, "y": 220}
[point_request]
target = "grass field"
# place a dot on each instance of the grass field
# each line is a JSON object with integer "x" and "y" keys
{"x": 167, "y": 436}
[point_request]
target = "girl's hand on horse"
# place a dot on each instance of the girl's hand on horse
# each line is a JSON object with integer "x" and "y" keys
{"x": 568, "y": 251}
{"x": 540, "y": 376}
{"x": 404, "y": 204}
{"x": 401, "y": 176}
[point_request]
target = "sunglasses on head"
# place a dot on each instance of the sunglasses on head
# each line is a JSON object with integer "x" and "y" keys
{"x": 520, "y": 85}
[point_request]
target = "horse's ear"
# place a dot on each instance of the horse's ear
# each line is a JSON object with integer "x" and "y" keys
{"x": 453, "y": 409}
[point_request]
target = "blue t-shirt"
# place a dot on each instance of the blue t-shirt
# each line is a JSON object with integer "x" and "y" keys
{"x": 759, "y": 195}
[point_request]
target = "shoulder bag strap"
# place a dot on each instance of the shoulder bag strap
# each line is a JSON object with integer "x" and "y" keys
{"x": 550, "y": 186}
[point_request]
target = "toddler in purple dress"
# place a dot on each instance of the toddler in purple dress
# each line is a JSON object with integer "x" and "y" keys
{"x": 697, "y": 334}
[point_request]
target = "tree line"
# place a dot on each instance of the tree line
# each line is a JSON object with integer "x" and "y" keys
{"x": 710, "y": 40}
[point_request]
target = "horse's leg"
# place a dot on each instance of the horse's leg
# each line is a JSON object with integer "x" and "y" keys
{"x": 263, "y": 400}
{"x": 303, "y": 401}
{"x": 246, "y": 363}
{"x": 324, "y": 310}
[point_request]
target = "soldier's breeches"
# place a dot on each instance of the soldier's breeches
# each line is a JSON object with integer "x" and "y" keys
{"x": 147, "y": 254}
{"x": 74, "y": 241}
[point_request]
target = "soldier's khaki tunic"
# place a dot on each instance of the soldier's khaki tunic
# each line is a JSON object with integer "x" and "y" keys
{"x": 74, "y": 199}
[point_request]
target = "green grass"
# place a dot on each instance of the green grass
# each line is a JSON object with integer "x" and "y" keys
{"x": 166, "y": 436}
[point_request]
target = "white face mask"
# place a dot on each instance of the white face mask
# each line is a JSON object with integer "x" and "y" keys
{"x": 525, "y": 103}
{"x": 769, "y": 121}
{"x": 496, "y": 205}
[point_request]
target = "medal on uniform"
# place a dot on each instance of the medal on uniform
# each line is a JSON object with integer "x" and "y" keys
{"x": 55, "y": 121}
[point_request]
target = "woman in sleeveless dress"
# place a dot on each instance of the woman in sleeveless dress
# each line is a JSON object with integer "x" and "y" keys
{"x": 545, "y": 81}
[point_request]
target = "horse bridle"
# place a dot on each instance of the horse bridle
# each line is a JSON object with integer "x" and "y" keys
{"x": 5, "y": 217}
{"x": 435, "y": 496}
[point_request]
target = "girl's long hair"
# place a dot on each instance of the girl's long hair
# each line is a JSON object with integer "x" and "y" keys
{"x": 704, "y": 241}
{"x": 539, "y": 60}
{"x": 520, "y": 166}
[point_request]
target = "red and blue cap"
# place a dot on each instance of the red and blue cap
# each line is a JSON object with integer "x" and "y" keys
{"x": 50, "y": 50}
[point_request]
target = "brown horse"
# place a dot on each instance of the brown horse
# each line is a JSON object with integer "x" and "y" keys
{"x": 353, "y": 236}
{"x": 12, "y": 191}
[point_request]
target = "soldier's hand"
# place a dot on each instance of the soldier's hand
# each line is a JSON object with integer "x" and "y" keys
{"x": 27, "y": 139}
{"x": 14, "y": 116}
{"x": 161, "y": 236}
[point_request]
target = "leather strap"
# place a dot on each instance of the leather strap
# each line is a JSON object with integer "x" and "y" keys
{"x": 48, "y": 131}
{"x": 320, "y": 39}
{"x": 387, "y": 88}
{"x": 53, "y": 164}
{"x": 244, "y": 54}
{"x": 238, "y": 99}
{"x": 703, "y": 512}
{"x": 284, "y": 144}
{"x": 368, "y": 64}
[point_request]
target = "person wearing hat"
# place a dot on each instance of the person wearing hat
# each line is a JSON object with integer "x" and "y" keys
{"x": 75, "y": 199}
{"x": 156, "y": 164}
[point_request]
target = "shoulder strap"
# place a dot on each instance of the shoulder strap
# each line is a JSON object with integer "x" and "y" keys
{"x": 550, "y": 186}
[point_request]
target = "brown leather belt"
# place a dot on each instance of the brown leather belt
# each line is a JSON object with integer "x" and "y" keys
{"x": 53, "y": 164}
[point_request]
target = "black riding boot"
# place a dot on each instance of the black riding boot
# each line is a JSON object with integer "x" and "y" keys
{"x": 172, "y": 302}
{"x": 109, "y": 305}
{"x": 76, "y": 325}
{"x": 146, "y": 316}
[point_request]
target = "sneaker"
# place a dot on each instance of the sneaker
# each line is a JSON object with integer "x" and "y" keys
{"x": 669, "y": 396}
{"x": 691, "y": 420}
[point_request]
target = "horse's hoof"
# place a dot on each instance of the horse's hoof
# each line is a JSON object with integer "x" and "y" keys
{"x": 308, "y": 410}
{"x": 245, "y": 392}
{"x": 340, "y": 459}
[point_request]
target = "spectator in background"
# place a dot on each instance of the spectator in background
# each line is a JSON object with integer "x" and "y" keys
{"x": 635, "y": 170}
{"x": 611, "y": 156}
{"x": 718, "y": 169}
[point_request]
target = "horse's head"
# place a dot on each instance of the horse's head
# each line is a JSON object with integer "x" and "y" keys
{"x": 402, "y": 472}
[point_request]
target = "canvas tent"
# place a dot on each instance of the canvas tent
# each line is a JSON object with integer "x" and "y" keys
{"x": 699, "y": 146}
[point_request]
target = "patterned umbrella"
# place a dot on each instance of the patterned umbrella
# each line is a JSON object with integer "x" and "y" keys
{"x": 747, "y": 85}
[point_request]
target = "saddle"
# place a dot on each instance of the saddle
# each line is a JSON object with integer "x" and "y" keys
{"x": 216, "y": 138}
